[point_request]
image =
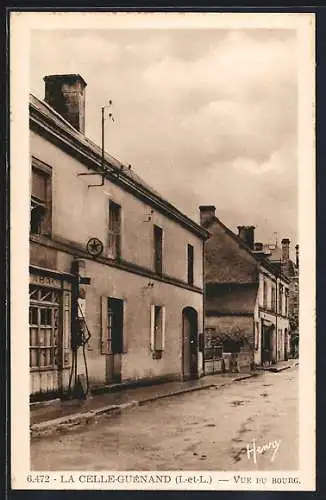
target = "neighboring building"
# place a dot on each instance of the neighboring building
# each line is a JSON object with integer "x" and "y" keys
{"x": 246, "y": 296}
{"x": 280, "y": 257}
{"x": 109, "y": 258}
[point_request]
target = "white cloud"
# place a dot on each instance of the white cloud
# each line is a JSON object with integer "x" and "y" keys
{"x": 205, "y": 117}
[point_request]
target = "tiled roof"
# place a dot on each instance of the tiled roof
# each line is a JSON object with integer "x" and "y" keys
{"x": 231, "y": 298}
{"x": 125, "y": 171}
{"x": 44, "y": 108}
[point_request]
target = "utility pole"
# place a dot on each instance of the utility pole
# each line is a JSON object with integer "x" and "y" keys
{"x": 103, "y": 109}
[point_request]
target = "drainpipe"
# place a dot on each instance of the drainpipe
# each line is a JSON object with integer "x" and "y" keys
{"x": 276, "y": 322}
{"x": 204, "y": 303}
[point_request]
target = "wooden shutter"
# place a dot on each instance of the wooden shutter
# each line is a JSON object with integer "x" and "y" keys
{"x": 66, "y": 328}
{"x": 104, "y": 325}
{"x": 124, "y": 333}
{"x": 190, "y": 259}
{"x": 158, "y": 249}
{"x": 163, "y": 329}
{"x": 152, "y": 331}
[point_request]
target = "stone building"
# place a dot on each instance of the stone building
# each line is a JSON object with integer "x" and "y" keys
{"x": 246, "y": 296}
{"x": 116, "y": 271}
{"x": 280, "y": 257}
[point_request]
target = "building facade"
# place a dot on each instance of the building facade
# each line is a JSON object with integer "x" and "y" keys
{"x": 280, "y": 257}
{"x": 116, "y": 271}
{"x": 246, "y": 297}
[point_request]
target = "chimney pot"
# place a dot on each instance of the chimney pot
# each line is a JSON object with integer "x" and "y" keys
{"x": 259, "y": 247}
{"x": 66, "y": 95}
{"x": 285, "y": 249}
{"x": 207, "y": 212}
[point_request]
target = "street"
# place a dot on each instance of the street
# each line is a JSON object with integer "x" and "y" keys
{"x": 215, "y": 429}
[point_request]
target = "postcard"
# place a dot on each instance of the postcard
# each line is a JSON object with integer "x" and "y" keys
{"x": 162, "y": 173}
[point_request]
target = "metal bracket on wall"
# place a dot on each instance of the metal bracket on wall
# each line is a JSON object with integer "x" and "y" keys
{"x": 94, "y": 173}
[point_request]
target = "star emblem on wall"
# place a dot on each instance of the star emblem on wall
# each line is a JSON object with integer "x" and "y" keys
{"x": 94, "y": 247}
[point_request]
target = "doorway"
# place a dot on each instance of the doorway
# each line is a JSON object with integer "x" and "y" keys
{"x": 267, "y": 344}
{"x": 286, "y": 345}
{"x": 115, "y": 339}
{"x": 190, "y": 343}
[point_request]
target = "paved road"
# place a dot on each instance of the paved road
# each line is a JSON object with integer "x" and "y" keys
{"x": 205, "y": 430}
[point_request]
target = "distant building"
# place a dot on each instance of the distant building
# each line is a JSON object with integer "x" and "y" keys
{"x": 246, "y": 296}
{"x": 111, "y": 261}
{"x": 280, "y": 257}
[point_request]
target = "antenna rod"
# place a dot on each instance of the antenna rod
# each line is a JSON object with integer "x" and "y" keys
{"x": 103, "y": 136}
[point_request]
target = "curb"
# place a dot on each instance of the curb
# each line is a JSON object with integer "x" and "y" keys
{"x": 72, "y": 421}
{"x": 64, "y": 424}
{"x": 245, "y": 377}
{"x": 175, "y": 393}
{"x": 277, "y": 370}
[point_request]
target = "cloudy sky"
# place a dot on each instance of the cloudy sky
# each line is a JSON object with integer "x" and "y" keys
{"x": 204, "y": 116}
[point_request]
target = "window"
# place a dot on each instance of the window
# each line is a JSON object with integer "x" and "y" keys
{"x": 114, "y": 235}
{"x": 44, "y": 328}
{"x": 190, "y": 265}
{"x": 265, "y": 294}
{"x": 286, "y": 302}
{"x": 273, "y": 299}
{"x": 158, "y": 249}
{"x": 112, "y": 326}
{"x": 40, "y": 221}
{"x": 157, "y": 330}
{"x": 280, "y": 300}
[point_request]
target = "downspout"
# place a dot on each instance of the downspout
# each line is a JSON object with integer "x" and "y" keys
{"x": 276, "y": 321}
{"x": 204, "y": 305}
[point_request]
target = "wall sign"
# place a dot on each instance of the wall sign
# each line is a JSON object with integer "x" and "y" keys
{"x": 94, "y": 247}
{"x": 39, "y": 279}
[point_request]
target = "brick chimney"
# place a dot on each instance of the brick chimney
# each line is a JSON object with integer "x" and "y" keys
{"x": 297, "y": 256}
{"x": 207, "y": 212}
{"x": 247, "y": 235}
{"x": 66, "y": 94}
{"x": 285, "y": 249}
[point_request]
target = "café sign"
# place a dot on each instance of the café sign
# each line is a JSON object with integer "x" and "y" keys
{"x": 41, "y": 280}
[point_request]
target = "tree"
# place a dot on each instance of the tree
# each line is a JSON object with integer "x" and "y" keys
{"x": 294, "y": 322}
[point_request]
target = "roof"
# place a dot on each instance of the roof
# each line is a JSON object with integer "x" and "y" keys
{"x": 259, "y": 258}
{"x": 231, "y": 298}
{"x": 58, "y": 128}
{"x": 274, "y": 253}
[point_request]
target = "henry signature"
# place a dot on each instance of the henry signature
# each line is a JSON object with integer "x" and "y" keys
{"x": 253, "y": 450}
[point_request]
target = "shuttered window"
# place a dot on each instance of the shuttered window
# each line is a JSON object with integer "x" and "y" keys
{"x": 157, "y": 343}
{"x": 40, "y": 220}
{"x": 114, "y": 230}
{"x": 190, "y": 264}
{"x": 273, "y": 299}
{"x": 158, "y": 249}
{"x": 265, "y": 294}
